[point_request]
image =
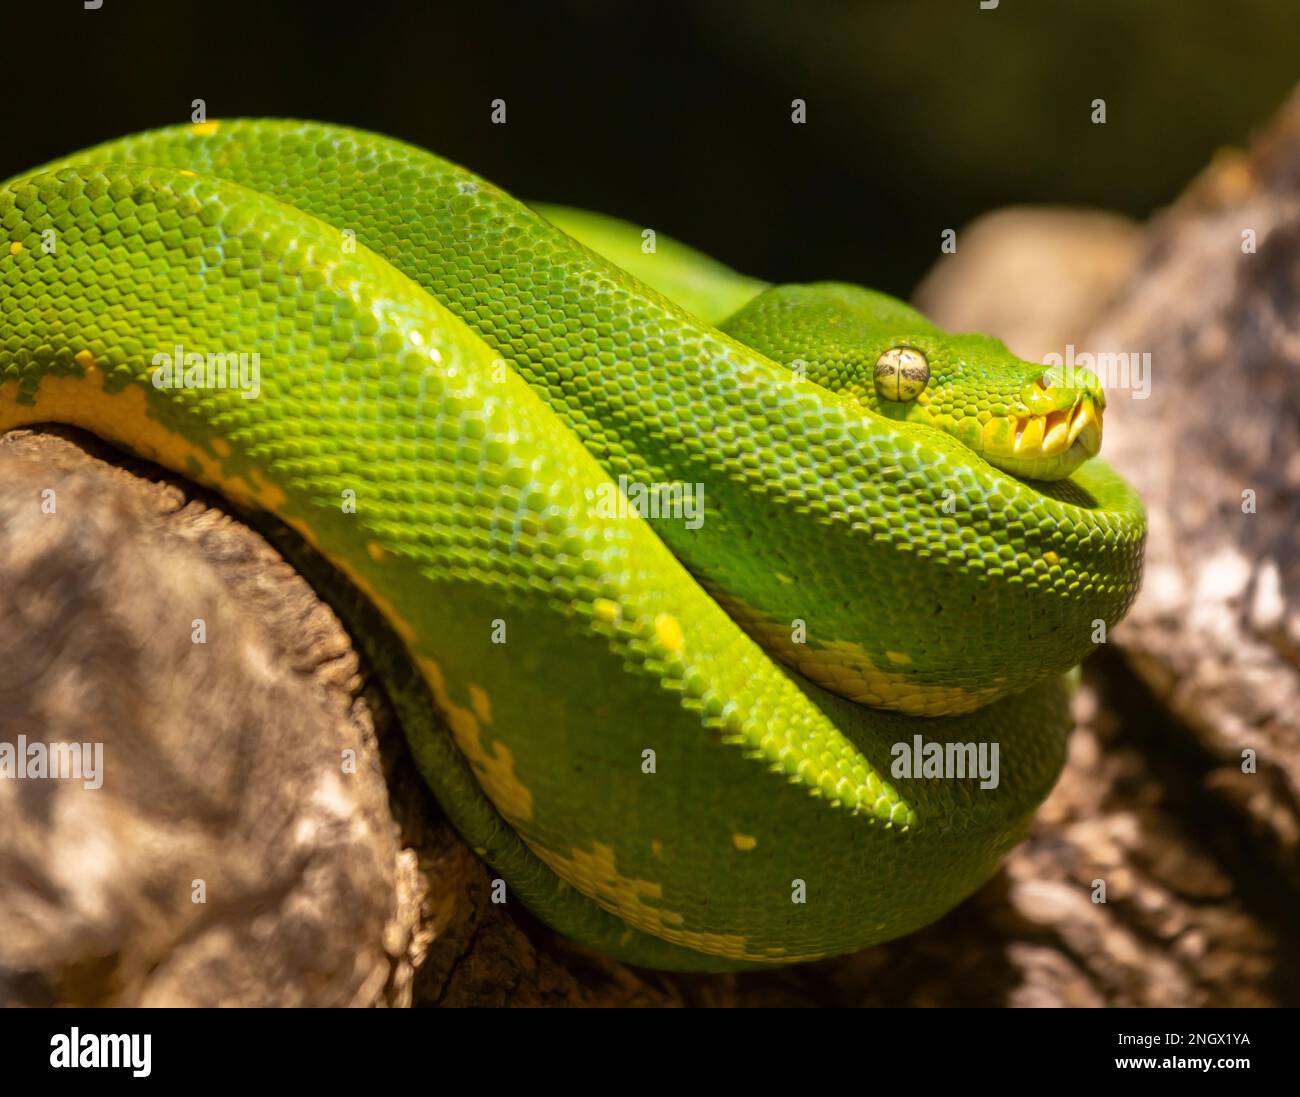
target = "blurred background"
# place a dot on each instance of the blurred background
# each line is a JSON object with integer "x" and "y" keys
{"x": 921, "y": 114}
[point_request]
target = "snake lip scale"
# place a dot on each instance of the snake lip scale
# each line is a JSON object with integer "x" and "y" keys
{"x": 674, "y": 740}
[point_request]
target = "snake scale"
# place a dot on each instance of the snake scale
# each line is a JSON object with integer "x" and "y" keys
{"x": 675, "y": 739}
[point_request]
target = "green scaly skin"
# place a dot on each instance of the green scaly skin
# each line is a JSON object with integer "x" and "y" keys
{"x": 449, "y": 387}
{"x": 689, "y": 278}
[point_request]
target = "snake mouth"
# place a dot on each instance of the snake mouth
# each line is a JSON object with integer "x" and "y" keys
{"x": 1052, "y": 434}
{"x": 1048, "y": 445}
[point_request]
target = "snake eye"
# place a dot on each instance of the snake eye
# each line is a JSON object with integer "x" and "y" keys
{"x": 901, "y": 374}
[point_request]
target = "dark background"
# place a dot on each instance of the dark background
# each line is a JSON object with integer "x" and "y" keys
{"x": 921, "y": 113}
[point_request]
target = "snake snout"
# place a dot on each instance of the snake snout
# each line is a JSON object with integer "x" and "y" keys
{"x": 1054, "y": 426}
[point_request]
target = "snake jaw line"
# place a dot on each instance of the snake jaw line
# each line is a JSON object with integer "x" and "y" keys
{"x": 1044, "y": 446}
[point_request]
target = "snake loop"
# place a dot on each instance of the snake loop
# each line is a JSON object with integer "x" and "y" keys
{"x": 675, "y": 739}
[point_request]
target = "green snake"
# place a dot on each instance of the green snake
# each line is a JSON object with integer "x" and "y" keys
{"x": 683, "y": 562}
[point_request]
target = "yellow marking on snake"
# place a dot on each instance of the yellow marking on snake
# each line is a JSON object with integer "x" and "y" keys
{"x": 204, "y": 129}
{"x": 123, "y": 418}
{"x": 496, "y": 771}
{"x": 849, "y": 670}
{"x": 596, "y": 873}
{"x": 606, "y": 610}
{"x": 15, "y": 247}
{"x": 481, "y": 703}
{"x": 744, "y": 841}
{"x": 375, "y": 551}
{"x": 668, "y": 630}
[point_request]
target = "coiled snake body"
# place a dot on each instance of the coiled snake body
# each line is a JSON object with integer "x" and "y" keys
{"x": 673, "y": 729}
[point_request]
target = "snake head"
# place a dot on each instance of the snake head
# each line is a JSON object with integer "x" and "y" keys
{"x": 1033, "y": 421}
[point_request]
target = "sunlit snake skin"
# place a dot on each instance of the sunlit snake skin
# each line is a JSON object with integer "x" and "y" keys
{"x": 445, "y": 446}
